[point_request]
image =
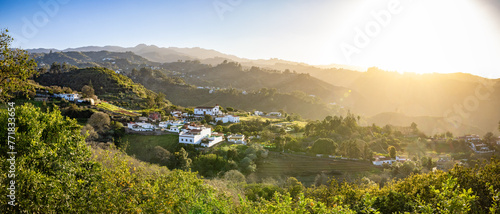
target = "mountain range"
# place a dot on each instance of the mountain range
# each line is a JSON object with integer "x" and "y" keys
{"x": 458, "y": 102}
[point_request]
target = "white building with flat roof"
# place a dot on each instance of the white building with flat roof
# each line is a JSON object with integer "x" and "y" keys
{"x": 69, "y": 97}
{"x": 214, "y": 111}
{"x": 228, "y": 119}
{"x": 237, "y": 138}
{"x": 140, "y": 126}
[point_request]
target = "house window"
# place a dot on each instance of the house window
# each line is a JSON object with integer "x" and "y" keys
{"x": 191, "y": 140}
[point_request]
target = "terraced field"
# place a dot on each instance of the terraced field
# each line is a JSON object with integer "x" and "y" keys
{"x": 117, "y": 110}
{"x": 305, "y": 168}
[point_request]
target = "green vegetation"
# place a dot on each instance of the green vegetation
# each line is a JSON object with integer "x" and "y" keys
{"x": 117, "y": 110}
{"x": 107, "y": 85}
{"x": 142, "y": 146}
{"x": 180, "y": 93}
{"x": 15, "y": 68}
{"x": 62, "y": 167}
{"x": 230, "y": 74}
{"x": 57, "y": 172}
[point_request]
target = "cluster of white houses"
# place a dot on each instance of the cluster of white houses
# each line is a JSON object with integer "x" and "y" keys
{"x": 214, "y": 111}
{"x": 476, "y": 143}
{"x": 190, "y": 133}
{"x": 380, "y": 160}
{"x": 72, "y": 97}
{"x": 271, "y": 114}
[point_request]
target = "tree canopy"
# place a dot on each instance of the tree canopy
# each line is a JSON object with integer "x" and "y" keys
{"x": 16, "y": 68}
{"x": 324, "y": 146}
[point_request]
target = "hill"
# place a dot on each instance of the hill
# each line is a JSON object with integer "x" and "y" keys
{"x": 231, "y": 74}
{"x": 107, "y": 85}
{"x": 263, "y": 99}
{"x": 450, "y": 96}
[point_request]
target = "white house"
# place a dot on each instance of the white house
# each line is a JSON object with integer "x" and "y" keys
{"x": 176, "y": 129}
{"x": 213, "y": 139}
{"x": 237, "y": 138}
{"x": 194, "y": 136}
{"x": 140, "y": 126}
{"x": 214, "y": 111}
{"x": 165, "y": 124}
{"x": 498, "y": 141}
{"x": 233, "y": 118}
{"x": 382, "y": 159}
{"x": 199, "y": 135}
{"x": 277, "y": 114}
{"x": 69, "y": 97}
{"x": 259, "y": 113}
{"x": 224, "y": 119}
{"x": 228, "y": 118}
{"x": 470, "y": 138}
{"x": 175, "y": 125}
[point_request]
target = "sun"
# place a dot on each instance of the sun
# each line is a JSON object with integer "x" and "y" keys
{"x": 434, "y": 36}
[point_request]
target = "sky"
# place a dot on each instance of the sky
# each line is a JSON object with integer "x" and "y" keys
{"x": 424, "y": 36}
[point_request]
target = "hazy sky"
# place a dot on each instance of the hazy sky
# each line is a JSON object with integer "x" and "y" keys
{"x": 417, "y": 36}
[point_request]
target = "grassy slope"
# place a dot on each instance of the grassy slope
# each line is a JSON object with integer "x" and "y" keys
{"x": 107, "y": 85}
{"x": 116, "y": 109}
{"x": 141, "y": 146}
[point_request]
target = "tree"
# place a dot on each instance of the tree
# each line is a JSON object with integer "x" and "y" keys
{"x": 55, "y": 68}
{"x": 159, "y": 99}
{"x": 324, "y": 146}
{"x": 234, "y": 176}
{"x": 367, "y": 152}
{"x": 294, "y": 187}
{"x": 280, "y": 142}
{"x": 161, "y": 156}
{"x": 247, "y": 165}
{"x": 182, "y": 160}
{"x": 100, "y": 121}
{"x": 489, "y": 138}
{"x": 150, "y": 101}
{"x": 89, "y": 130}
{"x": 53, "y": 150}
{"x": 230, "y": 109}
{"x": 218, "y": 128}
{"x": 392, "y": 151}
{"x": 208, "y": 117}
{"x": 413, "y": 126}
{"x": 87, "y": 91}
{"x": 16, "y": 68}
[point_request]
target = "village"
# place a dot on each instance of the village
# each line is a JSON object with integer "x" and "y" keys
{"x": 190, "y": 132}
{"x": 184, "y": 124}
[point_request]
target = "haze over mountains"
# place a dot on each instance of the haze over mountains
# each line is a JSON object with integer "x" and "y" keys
{"x": 461, "y": 103}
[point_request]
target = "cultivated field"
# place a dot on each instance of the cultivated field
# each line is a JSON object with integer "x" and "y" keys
{"x": 305, "y": 168}
{"x": 116, "y": 109}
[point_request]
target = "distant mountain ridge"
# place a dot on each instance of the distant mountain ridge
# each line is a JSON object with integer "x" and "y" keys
{"x": 371, "y": 93}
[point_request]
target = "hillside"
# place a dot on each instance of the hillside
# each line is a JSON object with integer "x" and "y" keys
{"x": 113, "y": 60}
{"x": 107, "y": 85}
{"x": 371, "y": 93}
{"x": 223, "y": 75}
{"x": 266, "y": 100}
{"x": 230, "y": 74}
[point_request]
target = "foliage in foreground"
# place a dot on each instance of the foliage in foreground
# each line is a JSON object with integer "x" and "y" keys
{"x": 57, "y": 172}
